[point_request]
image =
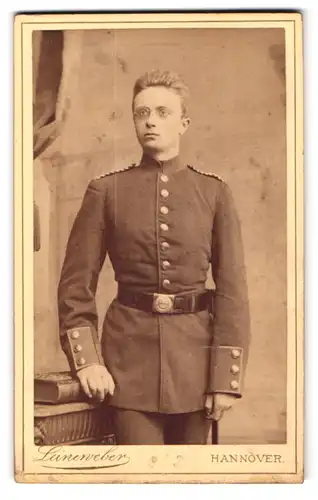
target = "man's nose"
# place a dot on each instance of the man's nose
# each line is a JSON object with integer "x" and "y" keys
{"x": 151, "y": 120}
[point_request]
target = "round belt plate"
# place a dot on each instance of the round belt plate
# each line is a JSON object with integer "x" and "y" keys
{"x": 163, "y": 304}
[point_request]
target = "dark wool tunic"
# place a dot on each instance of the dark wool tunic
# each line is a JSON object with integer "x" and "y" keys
{"x": 162, "y": 224}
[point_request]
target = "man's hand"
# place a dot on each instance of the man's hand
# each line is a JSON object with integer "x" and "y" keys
{"x": 96, "y": 382}
{"x": 216, "y": 404}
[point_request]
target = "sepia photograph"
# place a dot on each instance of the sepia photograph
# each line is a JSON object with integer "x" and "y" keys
{"x": 158, "y": 214}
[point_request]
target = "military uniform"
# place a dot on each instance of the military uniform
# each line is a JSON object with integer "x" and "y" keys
{"x": 162, "y": 225}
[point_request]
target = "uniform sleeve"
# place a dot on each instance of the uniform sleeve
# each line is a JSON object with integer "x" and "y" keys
{"x": 231, "y": 329}
{"x": 84, "y": 257}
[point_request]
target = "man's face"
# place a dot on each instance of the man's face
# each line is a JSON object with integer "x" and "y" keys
{"x": 158, "y": 119}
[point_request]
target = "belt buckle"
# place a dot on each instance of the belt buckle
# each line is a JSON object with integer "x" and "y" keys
{"x": 162, "y": 303}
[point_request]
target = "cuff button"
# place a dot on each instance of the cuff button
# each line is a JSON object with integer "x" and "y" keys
{"x": 78, "y": 348}
{"x": 81, "y": 361}
{"x": 234, "y": 385}
{"x": 235, "y": 353}
{"x": 234, "y": 369}
{"x": 75, "y": 334}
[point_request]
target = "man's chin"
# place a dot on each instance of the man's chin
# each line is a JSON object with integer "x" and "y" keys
{"x": 149, "y": 146}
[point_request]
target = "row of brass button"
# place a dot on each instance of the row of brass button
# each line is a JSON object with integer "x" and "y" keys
{"x": 164, "y": 210}
{"x": 78, "y": 348}
{"x": 235, "y": 353}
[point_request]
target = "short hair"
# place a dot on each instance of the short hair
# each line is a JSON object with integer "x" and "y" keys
{"x": 168, "y": 79}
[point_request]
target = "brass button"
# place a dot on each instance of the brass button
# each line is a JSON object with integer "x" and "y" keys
{"x": 164, "y": 210}
{"x": 75, "y": 334}
{"x": 165, "y": 264}
{"x": 164, "y": 227}
{"x": 164, "y": 193}
{"x": 165, "y": 245}
{"x": 235, "y": 353}
{"x": 78, "y": 348}
{"x": 235, "y": 369}
{"x": 234, "y": 385}
{"x": 81, "y": 361}
{"x": 164, "y": 178}
{"x": 166, "y": 283}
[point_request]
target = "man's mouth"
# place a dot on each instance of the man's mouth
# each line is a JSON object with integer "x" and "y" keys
{"x": 151, "y": 134}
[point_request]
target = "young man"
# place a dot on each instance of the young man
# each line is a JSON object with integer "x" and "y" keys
{"x": 172, "y": 354}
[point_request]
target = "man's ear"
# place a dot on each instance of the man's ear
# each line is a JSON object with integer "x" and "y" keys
{"x": 185, "y": 125}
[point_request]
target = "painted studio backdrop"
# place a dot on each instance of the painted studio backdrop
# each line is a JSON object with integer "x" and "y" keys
{"x": 83, "y": 127}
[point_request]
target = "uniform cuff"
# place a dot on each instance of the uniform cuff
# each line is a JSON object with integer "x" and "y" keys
{"x": 226, "y": 370}
{"x": 83, "y": 347}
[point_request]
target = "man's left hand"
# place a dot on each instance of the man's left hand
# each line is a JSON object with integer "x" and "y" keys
{"x": 217, "y": 404}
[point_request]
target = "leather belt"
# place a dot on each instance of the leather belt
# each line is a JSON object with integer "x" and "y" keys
{"x": 160, "y": 303}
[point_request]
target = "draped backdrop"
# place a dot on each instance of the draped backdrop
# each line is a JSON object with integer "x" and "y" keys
{"x": 55, "y": 72}
{"x": 47, "y": 46}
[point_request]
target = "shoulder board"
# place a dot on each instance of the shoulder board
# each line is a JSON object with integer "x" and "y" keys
{"x": 208, "y": 174}
{"x": 115, "y": 171}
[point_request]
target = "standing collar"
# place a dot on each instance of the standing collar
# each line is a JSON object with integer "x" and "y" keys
{"x": 172, "y": 165}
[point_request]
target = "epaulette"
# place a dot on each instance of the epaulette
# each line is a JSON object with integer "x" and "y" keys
{"x": 115, "y": 171}
{"x": 208, "y": 174}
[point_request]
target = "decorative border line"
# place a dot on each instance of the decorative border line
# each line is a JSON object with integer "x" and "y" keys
{"x": 295, "y": 220}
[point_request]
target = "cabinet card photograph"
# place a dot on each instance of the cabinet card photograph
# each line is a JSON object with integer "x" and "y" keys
{"x": 158, "y": 248}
